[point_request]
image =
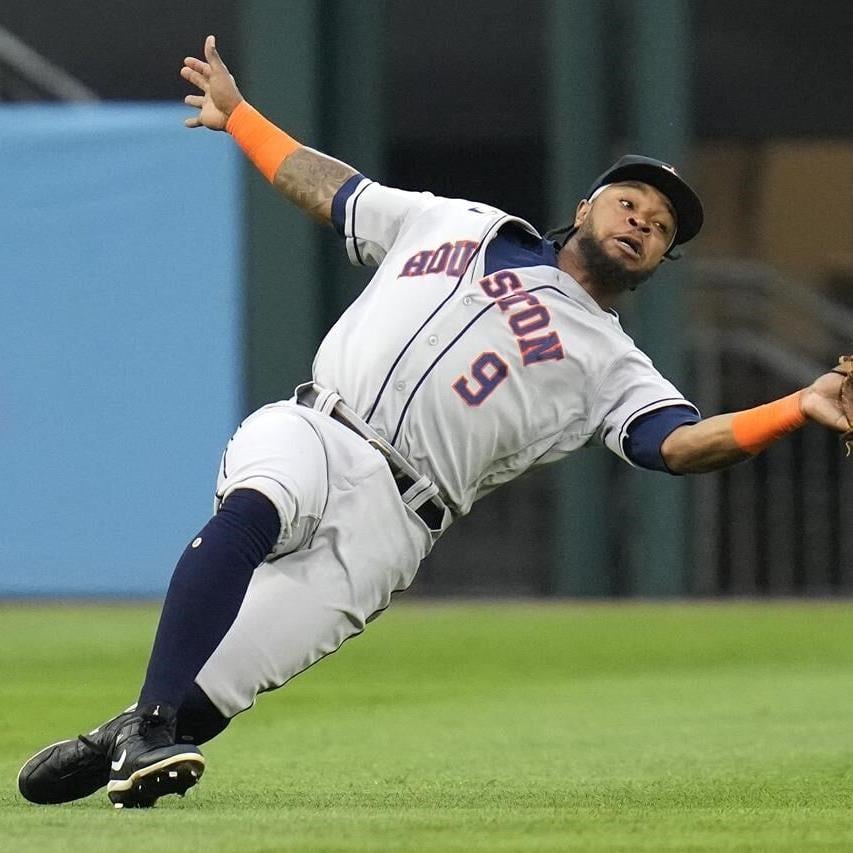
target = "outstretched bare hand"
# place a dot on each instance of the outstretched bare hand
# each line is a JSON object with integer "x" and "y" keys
{"x": 221, "y": 94}
{"x": 820, "y": 402}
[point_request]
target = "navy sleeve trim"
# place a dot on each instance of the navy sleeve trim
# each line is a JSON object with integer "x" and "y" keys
{"x": 339, "y": 202}
{"x": 357, "y": 251}
{"x": 648, "y": 408}
{"x": 648, "y": 432}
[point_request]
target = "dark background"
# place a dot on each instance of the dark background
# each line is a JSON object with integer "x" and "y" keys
{"x": 465, "y": 81}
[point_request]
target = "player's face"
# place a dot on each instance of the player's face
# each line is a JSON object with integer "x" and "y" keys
{"x": 633, "y": 223}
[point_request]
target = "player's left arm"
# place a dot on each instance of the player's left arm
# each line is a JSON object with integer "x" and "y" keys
{"x": 306, "y": 177}
{"x": 723, "y": 440}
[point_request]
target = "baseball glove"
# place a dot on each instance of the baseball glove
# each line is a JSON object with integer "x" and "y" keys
{"x": 845, "y": 397}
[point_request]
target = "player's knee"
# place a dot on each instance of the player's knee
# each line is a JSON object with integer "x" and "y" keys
{"x": 247, "y": 525}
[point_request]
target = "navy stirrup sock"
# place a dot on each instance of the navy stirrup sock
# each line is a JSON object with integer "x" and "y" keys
{"x": 206, "y": 591}
{"x": 199, "y": 720}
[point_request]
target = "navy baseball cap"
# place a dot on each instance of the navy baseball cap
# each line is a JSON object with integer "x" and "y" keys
{"x": 663, "y": 177}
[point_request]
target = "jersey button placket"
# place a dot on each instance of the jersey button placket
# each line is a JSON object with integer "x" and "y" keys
{"x": 467, "y": 300}
{"x": 432, "y": 340}
{"x": 400, "y": 385}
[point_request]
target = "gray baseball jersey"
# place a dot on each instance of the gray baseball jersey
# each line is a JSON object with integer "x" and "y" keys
{"x": 474, "y": 376}
{"x": 475, "y": 369}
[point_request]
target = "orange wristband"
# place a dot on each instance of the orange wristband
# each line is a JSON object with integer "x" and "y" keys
{"x": 266, "y": 145}
{"x": 755, "y": 429}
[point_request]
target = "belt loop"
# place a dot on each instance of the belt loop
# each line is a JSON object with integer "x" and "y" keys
{"x": 420, "y": 492}
{"x": 326, "y": 401}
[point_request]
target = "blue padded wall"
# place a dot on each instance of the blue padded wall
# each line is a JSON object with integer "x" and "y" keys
{"x": 120, "y": 315}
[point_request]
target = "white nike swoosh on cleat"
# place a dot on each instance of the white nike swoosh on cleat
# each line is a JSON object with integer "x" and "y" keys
{"x": 117, "y": 765}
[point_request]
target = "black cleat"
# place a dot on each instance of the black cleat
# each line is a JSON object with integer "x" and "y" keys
{"x": 147, "y": 764}
{"x": 71, "y": 769}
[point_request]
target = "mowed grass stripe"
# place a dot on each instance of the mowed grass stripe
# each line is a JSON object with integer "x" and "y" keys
{"x": 489, "y": 726}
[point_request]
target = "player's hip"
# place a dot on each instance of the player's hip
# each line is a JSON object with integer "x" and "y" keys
{"x": 323, "y": 479}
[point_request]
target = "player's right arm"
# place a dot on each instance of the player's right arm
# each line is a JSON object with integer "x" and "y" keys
{"x": 306, "y": 177}
{"x": 724, "y": 440}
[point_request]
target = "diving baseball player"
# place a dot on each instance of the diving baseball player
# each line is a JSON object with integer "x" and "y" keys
{"x": 478, "y": 350}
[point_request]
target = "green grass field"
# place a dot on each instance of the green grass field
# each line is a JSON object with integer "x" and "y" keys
{"x": 488, "y": 726}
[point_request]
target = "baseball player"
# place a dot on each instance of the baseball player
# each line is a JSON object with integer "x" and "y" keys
{"x": 478, "y": 350}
